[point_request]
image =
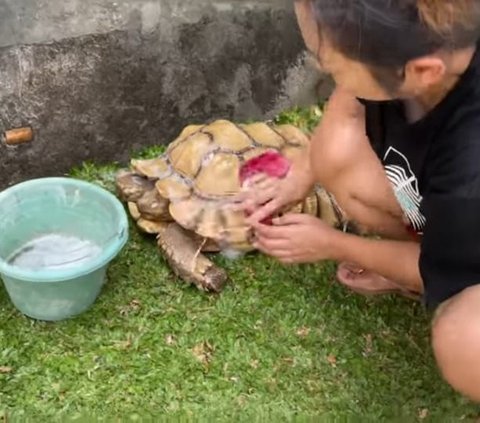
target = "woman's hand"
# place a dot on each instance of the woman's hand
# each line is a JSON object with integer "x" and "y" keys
{"x": 265, "y": 196}
{"x": 296, "y": 238}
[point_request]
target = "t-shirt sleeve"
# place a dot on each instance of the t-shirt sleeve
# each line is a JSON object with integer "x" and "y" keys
{"x": 450, "y": 249}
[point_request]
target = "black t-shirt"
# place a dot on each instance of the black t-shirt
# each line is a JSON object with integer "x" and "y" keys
{"x": 434, "y": 167}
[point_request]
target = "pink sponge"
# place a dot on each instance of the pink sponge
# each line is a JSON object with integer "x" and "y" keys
{"x": 271, "y": 163}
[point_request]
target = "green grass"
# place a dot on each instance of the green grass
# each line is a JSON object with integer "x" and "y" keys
{"x": 280, "y": 343}
{"x": 304, "y": 118}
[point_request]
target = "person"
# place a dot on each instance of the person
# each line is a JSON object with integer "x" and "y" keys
{"x": 398, "y": 148}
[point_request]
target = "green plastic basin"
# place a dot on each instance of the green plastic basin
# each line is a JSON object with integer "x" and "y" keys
{"x": 57, "y": 238}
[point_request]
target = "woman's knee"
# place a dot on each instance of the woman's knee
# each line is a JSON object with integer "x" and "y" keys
{"x": 456, "y": 342}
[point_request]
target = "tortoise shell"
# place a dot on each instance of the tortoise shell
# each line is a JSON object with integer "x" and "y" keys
{"x": 199, "y": 174}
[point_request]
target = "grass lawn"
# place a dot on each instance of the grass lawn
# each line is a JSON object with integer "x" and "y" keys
{"x": 279, "y": 343}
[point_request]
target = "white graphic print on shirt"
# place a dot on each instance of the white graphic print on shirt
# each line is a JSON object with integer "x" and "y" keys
{"x": 405, "y": 186}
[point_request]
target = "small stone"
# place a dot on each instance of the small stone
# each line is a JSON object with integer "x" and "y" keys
{"x": 170, "y": 340}
{"x": 303, "y": 332}
{"x": 332, "y": 360}
{"x": 203, "y": 352}
{"x": 423, "y": 414}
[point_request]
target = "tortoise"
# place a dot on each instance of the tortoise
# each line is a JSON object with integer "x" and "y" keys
{"x": 183, "y": 196}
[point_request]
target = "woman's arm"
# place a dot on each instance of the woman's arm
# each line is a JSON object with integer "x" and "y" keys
{"x": 300, "y": 238}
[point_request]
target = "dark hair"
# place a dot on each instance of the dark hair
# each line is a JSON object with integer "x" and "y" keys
{"x": 386, "y": 34}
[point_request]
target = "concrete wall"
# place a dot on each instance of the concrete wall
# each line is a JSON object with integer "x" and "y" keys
{"x": 97, "y": 79}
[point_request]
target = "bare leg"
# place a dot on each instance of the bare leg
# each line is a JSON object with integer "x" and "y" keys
{"x": 456, "y": 342}
{"x": 367, "y": 199}
{"x": 344, "y": 163}
{"x": 371, "y": 206}
{"x": 379, "y": 216}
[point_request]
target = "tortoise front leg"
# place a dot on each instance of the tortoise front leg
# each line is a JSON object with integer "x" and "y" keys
{"x": 183, "y": 253}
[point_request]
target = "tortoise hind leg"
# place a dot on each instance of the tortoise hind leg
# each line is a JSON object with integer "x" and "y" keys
{"x": 183, "y": 253}
{"x": 329, "y": 211}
